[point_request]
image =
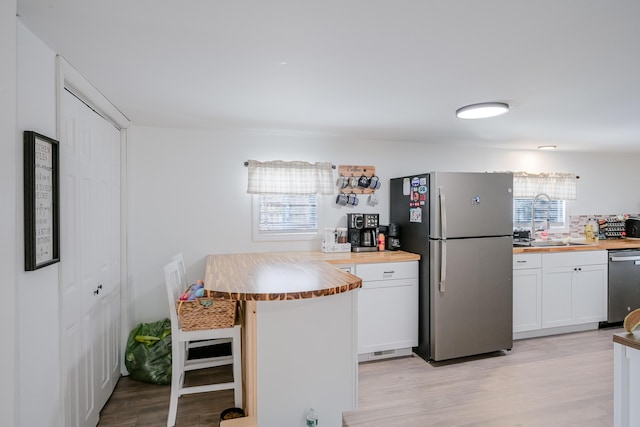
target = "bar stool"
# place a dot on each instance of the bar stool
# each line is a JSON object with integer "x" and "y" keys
{"x": 179, "y": 348}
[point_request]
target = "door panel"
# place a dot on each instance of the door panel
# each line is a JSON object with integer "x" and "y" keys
{"x": 556, "y": 297}
{"x": 90, "y": 267}
{"x": 472, "y": 314}
{"x": 476, "y": 204}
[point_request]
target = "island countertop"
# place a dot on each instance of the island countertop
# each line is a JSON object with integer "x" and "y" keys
{"x": 630, "y": 340}
{"x": 277, "y": 276}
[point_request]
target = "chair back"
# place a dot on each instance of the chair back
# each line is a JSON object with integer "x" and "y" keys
{"x": 179, "y": 258}
{"x": 174, "y": 285}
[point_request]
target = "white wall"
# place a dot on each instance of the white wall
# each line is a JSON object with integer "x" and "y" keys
{"x": 38, "y": 366}
{"x": 8, "y": 213}
{"x": 187, "y": 191}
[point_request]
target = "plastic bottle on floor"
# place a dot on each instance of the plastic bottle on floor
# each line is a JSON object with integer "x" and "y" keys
{"x": 311, "y": 419}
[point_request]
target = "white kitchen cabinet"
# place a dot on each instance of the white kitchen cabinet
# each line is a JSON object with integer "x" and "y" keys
{"x": 527, "y": 292}
{"x": 387, "y": 309}
{"x": 626, "y": 380}
{"x": 574, "y": 288}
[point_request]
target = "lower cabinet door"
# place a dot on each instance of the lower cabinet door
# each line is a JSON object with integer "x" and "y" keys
{"x": 590, "y": 294}
{"x": 387, "y": 315}
{"x": 556, "y": 297}
{"x": 527, "y": 294}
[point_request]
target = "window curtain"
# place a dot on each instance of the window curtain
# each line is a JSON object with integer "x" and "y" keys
{"x": 559, "y": 186}
{"x": 280, "y": 177}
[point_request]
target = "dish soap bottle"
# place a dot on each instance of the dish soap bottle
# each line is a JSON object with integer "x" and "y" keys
{"x": 591, "y": 231}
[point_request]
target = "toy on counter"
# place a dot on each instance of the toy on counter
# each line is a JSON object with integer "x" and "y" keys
{"x": 194, "y": 291}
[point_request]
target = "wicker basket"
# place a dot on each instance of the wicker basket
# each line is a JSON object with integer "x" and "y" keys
{"x": 206, "y": 313}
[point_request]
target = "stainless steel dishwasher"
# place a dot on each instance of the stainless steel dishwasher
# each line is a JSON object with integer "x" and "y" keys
{"x": 624, "y": 284}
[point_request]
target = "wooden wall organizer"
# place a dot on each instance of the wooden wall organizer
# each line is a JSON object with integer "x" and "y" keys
{"x": 357, "y": 171}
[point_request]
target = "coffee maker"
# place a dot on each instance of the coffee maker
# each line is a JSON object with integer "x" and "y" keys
{"x": 363, "y": 232}
{"x": 393, "y": 237}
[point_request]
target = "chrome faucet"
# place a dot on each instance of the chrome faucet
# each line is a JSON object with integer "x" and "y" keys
{"x": 533, "y": 212}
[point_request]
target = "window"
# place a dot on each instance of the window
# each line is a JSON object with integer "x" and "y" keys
{"x": 285, "y": 198}
{"x": 286, "y": 214}
{"x": 559, "y": 187}
{"x": 522, "y": 213}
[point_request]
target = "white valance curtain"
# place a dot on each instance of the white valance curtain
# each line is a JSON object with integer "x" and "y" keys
{"x": 296, "y": 177}
{"x": 558, "y": 186}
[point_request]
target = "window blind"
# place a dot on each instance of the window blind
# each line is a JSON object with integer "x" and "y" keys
{"x": 287, "y": 213}
{"x": 522, "y": 212}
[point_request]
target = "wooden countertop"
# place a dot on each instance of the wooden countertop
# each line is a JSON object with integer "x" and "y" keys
{"x": 268, "y": 277}
{"x": 288, "y": 275}
{"x": 601, "y": 245}
{"x": 338, "y": 258}
{"x": 630, "y": 340}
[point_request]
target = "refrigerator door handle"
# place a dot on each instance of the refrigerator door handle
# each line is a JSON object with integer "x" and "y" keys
{"x": 443, "y": 213}
{"x": 443, "y": 264}
{"x": 443, "y": 240}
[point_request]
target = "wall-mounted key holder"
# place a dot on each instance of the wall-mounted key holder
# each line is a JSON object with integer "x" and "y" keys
{"x": 357, "y": 179}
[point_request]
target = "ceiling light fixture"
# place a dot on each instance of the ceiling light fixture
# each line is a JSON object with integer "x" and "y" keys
{"x": 546, "y": 147}
{"x": 482, "y": 110}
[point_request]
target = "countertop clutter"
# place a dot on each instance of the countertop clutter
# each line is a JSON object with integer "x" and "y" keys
{"x": 582, "y": 246}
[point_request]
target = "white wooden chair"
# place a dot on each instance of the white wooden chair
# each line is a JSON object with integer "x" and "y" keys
{"x": 179, "y": 258}
{"x": 179, "y": 347}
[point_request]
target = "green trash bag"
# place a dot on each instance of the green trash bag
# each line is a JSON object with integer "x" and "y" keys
{"x": 148, "y": 353}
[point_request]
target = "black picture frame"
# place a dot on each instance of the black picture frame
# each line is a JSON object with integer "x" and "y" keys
{"x": 41, "y": 201}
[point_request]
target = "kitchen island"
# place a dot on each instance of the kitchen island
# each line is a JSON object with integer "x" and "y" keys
{"x": 299, "y": 339}
{"x": 626, "y": 379}
{"x": 275, "y": 292}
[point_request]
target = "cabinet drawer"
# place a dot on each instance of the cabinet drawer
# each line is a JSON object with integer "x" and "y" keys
{"x": 521, "y": 261}
{"x": 568, "y": 259}
{"x": 398, "y": 283}
{"x": 387, "y": 271}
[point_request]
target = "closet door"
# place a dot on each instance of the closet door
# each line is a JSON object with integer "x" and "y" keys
{"x": 90, "y": 260}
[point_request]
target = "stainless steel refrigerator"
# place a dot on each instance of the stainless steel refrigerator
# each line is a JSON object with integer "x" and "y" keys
{"x": 461, "y": 224}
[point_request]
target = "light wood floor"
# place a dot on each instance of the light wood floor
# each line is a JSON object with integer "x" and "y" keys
{"x": 558, "y": 381}
{"x": 564, "y": 380}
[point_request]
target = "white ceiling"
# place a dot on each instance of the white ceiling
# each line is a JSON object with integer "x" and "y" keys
{"x": 392, "y": 70}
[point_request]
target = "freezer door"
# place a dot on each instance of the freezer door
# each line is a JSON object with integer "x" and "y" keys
{"x": 471, "y": 204}
{"x": 471, "y": 298}
{"x": 414, "y": 229}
